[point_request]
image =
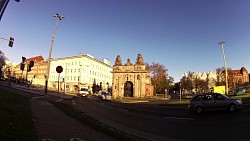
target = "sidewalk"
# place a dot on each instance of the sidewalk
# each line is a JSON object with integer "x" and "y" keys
{"x": 51, "y": 124}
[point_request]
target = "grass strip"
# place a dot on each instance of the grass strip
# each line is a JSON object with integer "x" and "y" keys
{"x": 95, "y": 124}
{"x": 15, "y": 118}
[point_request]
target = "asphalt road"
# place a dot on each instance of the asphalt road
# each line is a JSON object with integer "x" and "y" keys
{"x": 156, "y": 123}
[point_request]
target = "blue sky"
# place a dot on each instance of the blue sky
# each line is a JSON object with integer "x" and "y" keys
{"x": 182, "y": 35}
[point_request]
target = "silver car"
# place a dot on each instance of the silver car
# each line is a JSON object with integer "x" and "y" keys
{"x": 213, "y": 102}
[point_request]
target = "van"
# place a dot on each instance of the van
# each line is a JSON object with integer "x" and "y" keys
{"x": 83, "y": 91}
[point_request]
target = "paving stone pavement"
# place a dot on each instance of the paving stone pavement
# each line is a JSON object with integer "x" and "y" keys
{"x": 51, "y": 124}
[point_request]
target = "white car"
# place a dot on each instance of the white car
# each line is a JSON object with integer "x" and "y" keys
{"x": 105, "y": 96}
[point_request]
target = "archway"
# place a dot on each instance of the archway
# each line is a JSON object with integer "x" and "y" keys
{"x": 128, "y": 89}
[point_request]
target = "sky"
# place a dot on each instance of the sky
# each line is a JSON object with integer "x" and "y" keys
{"x": 182, "y": 35}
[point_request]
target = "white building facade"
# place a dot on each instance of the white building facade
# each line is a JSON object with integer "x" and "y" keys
{"x": 80, "y": 70}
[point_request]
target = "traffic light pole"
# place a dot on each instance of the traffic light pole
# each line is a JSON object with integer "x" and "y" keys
{"x": 26, "y": 88}
{"x": 11, "y": 41}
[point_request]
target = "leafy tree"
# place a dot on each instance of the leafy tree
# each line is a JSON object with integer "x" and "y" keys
{"x": 200, "y": 85}
{"x": 160, "y": 78}
{"x": 221, "y": 76}
{"x": 187, "y": 84}
{"x": 2, "y": 63}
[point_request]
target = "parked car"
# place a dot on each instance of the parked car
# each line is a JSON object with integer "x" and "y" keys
{"x": 105, "y": 96}
{"x": 239, "y": 91}
{"x": 214, "y": 101}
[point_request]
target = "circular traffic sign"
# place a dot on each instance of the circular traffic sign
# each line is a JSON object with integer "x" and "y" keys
{"x": 59, "y": 69}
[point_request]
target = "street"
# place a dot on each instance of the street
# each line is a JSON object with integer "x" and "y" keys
{"x": 156, "y": 123}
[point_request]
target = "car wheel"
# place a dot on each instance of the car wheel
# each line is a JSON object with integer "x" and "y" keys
{"x": 199, "y": 110}
{"x": 231, "y": 108}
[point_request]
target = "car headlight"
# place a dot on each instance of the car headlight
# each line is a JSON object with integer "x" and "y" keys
{"x": 239, "y": 101}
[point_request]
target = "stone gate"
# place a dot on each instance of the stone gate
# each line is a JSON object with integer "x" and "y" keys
{"x": 131, "y": 80}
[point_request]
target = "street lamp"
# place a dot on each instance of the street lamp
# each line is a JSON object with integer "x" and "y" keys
{"x": 79, "y": 77}
{"x": 50, "y": 51}
{"x": 225, "y": 65}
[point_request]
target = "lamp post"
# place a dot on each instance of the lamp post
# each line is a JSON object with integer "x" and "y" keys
{"x": 79, "y": 77}
{"x": 108, "y": 87}
{"x": 180, "y": 90}
{"x": 225, "y": 65}
{"x": 50, "y": 51}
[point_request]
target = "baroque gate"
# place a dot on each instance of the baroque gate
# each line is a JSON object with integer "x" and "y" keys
{"x": 131, "y": 80}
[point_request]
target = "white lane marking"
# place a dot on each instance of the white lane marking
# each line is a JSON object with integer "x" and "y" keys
{"x": 58, "y": 100}
{"x": 73, "y": 102}
{"x": 45, "y": 139}
{"x": 179, "y": 118}
{"x": 76, "y": 139}
{"x": 124, "y": 109}
{"x": 38, "y": 97}
{"x": 45, "y": 103}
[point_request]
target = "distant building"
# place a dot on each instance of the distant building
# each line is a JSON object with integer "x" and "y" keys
{"x": 235, "y": 77}
{"x": 238, "y": 77}
{"x": 37, "y": 73}
{"x": 80, "y": 70}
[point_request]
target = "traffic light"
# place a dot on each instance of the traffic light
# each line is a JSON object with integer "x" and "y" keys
{"x": 23, "y": 59}
{"x": 11, "y": 41}
{"x": 22, "y": 67}
{"x": 31, "y": 64}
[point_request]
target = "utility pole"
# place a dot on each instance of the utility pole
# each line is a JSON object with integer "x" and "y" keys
{"x": 50, "y": 51}
{"x": 225, "y": 65}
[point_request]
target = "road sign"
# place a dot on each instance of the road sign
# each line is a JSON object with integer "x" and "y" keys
{"x": 59, "y": 69}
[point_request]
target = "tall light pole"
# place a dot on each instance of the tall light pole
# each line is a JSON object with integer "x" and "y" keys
{"x": 225, "y": 65}
{"x": 50, "y": 51}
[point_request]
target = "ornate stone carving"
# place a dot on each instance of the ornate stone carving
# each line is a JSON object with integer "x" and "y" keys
{"x": 118, "y": 61}
{"x": 128, "y": 63}
{"x": 139, "y": 60}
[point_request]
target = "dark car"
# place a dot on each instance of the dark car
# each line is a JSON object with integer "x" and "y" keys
{"x": 239, "y": 91}
{"x": 213, "y": 102}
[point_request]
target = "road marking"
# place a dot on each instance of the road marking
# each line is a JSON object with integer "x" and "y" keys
{"x": 58, "y": 100}
{"x": 76, "y": 139}
{"x": 45, "y": 103}
{"x": 124, "y": 109}
{"x": 38, "y": 97}
{"x": 73, "y": 102}
{"x": 179, "y": 118}
{"x": 45, "y": 139}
